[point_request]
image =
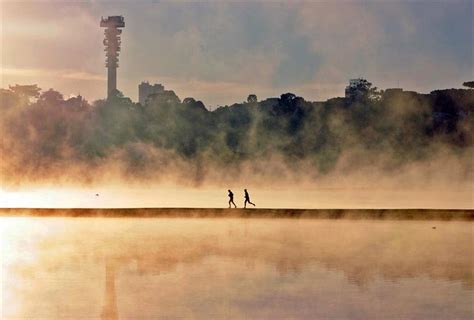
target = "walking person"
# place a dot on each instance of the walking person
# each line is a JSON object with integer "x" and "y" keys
{"x": 247, "y": 199}
{"x": 231, "y": 199}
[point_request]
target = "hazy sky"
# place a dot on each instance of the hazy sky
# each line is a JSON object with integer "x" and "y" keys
{"x": 220, "y": 51}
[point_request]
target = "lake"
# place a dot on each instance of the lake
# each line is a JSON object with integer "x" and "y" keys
{"x": 231, "y": 268}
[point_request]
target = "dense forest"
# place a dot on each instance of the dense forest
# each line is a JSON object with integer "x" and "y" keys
{"x": 47, "y": 137}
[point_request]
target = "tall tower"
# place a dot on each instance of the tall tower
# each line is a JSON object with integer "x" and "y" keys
{"x": 112, "y": 48}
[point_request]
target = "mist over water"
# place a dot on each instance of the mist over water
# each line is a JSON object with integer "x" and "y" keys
{"x": 402, "y": 142}
{"x": 235, "y": 268}
{"x": 287, "y": 196}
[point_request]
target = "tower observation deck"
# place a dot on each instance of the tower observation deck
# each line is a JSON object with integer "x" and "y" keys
{"x": 112, "y": 25}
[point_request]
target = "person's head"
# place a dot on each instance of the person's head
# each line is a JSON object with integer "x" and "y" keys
{"x": 245, "y": 190}
{"x": 229, "y": 190}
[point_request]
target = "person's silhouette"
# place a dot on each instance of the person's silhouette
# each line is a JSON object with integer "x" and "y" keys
{"x": 247, "y": 199}
{"x": 231, "y": 199}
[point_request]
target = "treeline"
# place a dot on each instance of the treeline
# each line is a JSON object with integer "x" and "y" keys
{"x": 43, "y": 133}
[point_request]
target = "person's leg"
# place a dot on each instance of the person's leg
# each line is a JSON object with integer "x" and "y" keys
{"x": 235, "y": 206}
{"x": 229, "y": 203}
{"x": 245, "y": 203}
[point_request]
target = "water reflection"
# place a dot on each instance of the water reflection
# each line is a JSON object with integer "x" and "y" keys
{"x": 109, "y": 312}
{"x": 235, "y": 269}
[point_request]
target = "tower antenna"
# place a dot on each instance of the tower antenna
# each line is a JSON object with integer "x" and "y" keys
{"x": 112, "y": 48}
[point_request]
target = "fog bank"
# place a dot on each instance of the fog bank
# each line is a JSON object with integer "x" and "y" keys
{"x": 372, "y": 142}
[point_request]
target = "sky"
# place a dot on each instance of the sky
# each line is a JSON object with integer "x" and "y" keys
{"x": 221, "y": 51}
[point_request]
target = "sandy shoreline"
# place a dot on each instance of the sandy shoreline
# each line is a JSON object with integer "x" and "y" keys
{"x": 392, "y": 214}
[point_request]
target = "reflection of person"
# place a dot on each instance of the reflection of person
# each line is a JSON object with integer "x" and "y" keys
{"x": 247, "y": 199}
{"x": 231, "y": 199}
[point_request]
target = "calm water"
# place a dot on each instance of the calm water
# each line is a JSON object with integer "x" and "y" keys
{"x": 74, "y": 268}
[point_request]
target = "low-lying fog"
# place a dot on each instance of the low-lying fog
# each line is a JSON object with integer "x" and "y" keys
{"x": 214, "y": 197}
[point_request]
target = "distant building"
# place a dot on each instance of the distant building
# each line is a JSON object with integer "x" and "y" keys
{"x": 391, "y": 91}
{"x": 399, "y": 93}
{"x": 145, "y": 89}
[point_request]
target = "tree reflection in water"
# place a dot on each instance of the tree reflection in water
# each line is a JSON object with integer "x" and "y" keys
{"x": 237, "y": 268}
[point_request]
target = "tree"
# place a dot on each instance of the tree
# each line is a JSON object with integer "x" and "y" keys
{"x": 252, "y": 98}
{"x": 166, "y": 97}
{"x": 360, "y": 89}
{"x": 193, "y": 103}
{"x": 27, "y": 92}
{"x": 51, "y": 97}
{"x": 8, "y": 98}
{"x": 117, "y": 93}
{"x": 287, "y": 97}
{"x": 189, "y": 100}
{"x": 469, "y": 84}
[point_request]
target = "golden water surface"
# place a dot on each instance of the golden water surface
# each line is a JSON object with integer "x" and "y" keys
{"x": 107, "y": 268}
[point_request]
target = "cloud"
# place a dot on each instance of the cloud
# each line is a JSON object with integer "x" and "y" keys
{"x": 64, "y": 74}
{"x": 279, "y": 46}
{"x": 421, "y": 45}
